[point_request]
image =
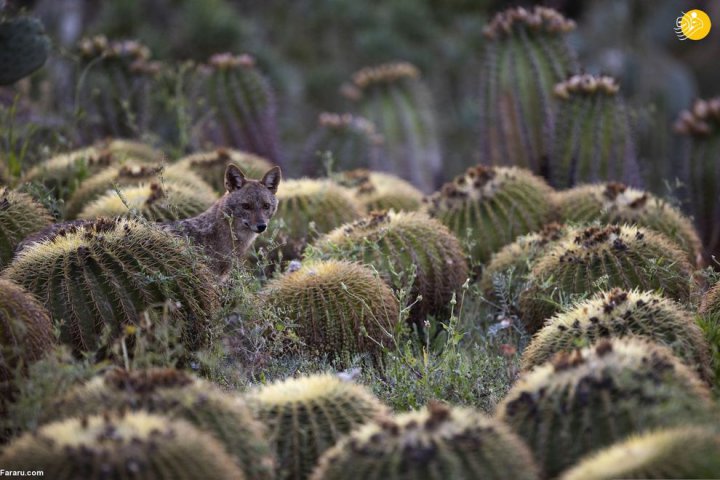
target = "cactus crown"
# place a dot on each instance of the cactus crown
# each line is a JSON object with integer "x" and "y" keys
{"x": 348, "y": 121}
{"x": 540, "y": 19}
{"x": 702, "y": 120}
{"x": 477, "y": 183}
{"x": 303, "y": 390}
{"x": 228, "y": 61}
{"x": 586, "y": 85}
{"x": 384, "y": 74}
{"x": 379, "y": 191}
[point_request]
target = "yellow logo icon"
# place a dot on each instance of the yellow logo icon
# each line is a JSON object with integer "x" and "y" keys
{"x": 693, "y": 25}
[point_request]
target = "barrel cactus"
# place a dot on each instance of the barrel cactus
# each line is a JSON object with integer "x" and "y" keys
{"x": 404, "y": 244}
{"x": 381, "y": 191}
{"x": 339, "y": 309}
{"x": 305, "y": 416}
{"x": 589, "y": 259}
{"x": 435, "y": 443}
{"x": 395, "y": 99}
{"x": 157, "y": 201}
{"x": 352, "y": 140}
{"x": 682, "y": 452}
{"x": 588, "y": 399}
{"x": 621, "y": 313}
{"x": 99, "y": 275}
{"x": 616, "y": 203}
{"x": 493, "y": 205}
{"x": 176, "y": 395}
{"x": 525, "y": 56}
{"x": 211, "y": 165}
{"x": 20, "y": 216}
{"x": 138, "y": 446}
{"x": 24, "y": 48}
{"x": 593, "y": 137}
{"x": 124, "y": 150}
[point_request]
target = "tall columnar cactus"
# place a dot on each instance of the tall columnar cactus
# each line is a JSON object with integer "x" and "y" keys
{"x": 403, "y": 247}
{"x": 492, "y": 205}
{"x": 588, "y": 399}
{"x": 353, "y": 142}
{"x": 176, "y": 395}
{"x": 395, "y": 99}
{"x": 701, "y": 125}
{"x": 306, "y": 416}
{"x": 435, "y": 443}
{"x": 622, "y": 313}
{"x": 525, "y": 56}
{"x": 24, "y": 47}
{"x": 244, "y": 105}
{"x": 20, "y": 216}
{"x": 104, "y": 274}
{"x": 211, "y": 165}
{"x": 381, "y": 191}
{"x": 590, "y": 259}
{"x": 615, "y": 203}
{"x": 339, "y": 309}
{"x": 115, "y": 89}
{"x": 157, "y": 201}
{"x": 138, "y": 446}
{"x": 593, "y": 138}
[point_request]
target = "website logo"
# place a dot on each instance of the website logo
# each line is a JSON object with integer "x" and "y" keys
{"x": 693, "y": 25}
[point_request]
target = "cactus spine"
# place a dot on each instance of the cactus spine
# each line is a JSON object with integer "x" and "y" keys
{"x": 590, "y": 398}
{"x": 308, "y": 415}
{"x": 20, "y": 216}
{"x": 24, "y": 47}
{"x": 211, "y": 165}
{"x": 381, "y": 191}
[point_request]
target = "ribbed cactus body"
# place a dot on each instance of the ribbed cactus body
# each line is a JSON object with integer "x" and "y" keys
{"x": 104, "y": 274}
{"x": 593, "y": 139}
{"x": 395, "y": 99}
{"x": 615, "y": 203}
{"x": 211, "y": 165}
{"x": 682, "y": 452}
{"x": 126, "y": 150}
{"x": 339, "y": 309}
{"x": 176, "y": 395}
{"x": 156, "y": 201}
{"x": 381, "y": 191}
{"x": 525, "y": 56}
{"x": 621, "y": 313}
{"x": 588, "y": 399}
{"x": 306, "y": 416}
{"x": 138, "y": 446}
{"x": 493, "y": 206}
{"x": 244, "y": 105}
{"x": 20, "y": 216}
{"x": 436, "y": 443}
{"x": 587, "y": 260}
{"x": 24, "y": 47}
{"x": 405, "y": 244}
{"x": 352, "y": 141}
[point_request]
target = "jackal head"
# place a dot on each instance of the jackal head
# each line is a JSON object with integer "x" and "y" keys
{"x": 250, "y": 204}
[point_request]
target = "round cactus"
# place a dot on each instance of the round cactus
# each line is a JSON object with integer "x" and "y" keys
{"x": 306, "y": 416}
{"x": 621, "y": 313}
{"x": 24, "y": 48}
{"x": 176, "y": 395}
{"x": 104, "y": 274}
{"x": 683, "y": 452}
{"x": 588, "y": 399}
{"x": 154, "y": 201}
{"x": 432, "y": 444}
{"x": 589, "y": 259}
{"x": 615, "y": 203}
{"x": 405, "y": 244}
{"x": 211, "y": 165}
{"x": 381, "y": 191}
{"x": 125, "y": 150}
{"x": 138, "y": 446}
{"x": 20, "y": 216}
{"x": 495, "y": 204}
{"x": 340, "y": 309}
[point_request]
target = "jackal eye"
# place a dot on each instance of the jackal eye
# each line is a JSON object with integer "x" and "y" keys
{"x": 246, "y": 206}
{"x": 266, "y": 206}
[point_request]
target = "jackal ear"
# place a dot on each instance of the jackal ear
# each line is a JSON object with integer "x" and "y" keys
{"x": 272, "y": 179}
{"x": 234, "y": 178}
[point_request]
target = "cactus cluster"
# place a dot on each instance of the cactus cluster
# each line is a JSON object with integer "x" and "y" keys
{"x": 210, "y": 166}
{"x": 589, "y": 259}
{"x": 381, "y": 191}
{"x": 137, "y": 445}
{"x": 494, "y": 205}
{"x": 593, "y": 138}
{"x": 176, "y": 395}
{"x": 339, "y": 309}
{"x": 401, "y": 245}
{"x": 588, "y": 399}
{"x": 435, "y": 443}
{"x": 20, "y": 216}
{"x": 24, "y": 47}
{"x": 104, "y": 274}
{"x": 306, "y": 416}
